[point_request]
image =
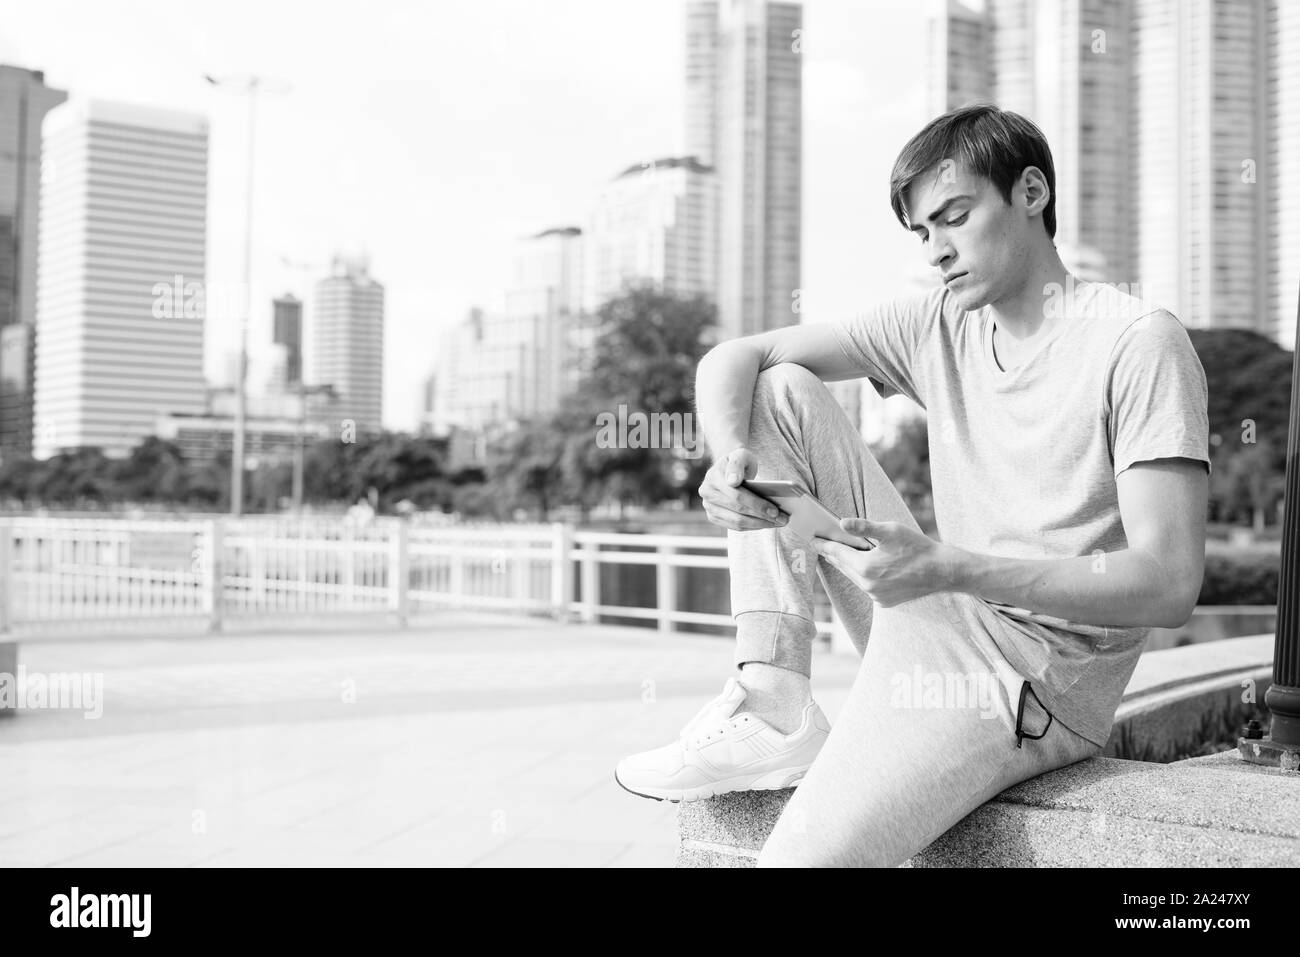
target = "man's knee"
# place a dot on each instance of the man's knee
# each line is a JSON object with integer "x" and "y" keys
{"x": 786, "y": 378}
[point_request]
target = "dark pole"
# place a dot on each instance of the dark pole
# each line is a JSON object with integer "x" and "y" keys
{"x": 1282, "y": 745}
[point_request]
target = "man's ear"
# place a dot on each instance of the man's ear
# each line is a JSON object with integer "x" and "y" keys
{"x": 1034, "y": 185}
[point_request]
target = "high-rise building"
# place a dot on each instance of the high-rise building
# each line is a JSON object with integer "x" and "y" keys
{"x": 959, "y": 67}
{"x": 540, "y": 324}
{"x": 1201, "y": 171}
{"x": 744, "y": 118}
{"x": 17, "y": 373}
{"x": 1171, "y": 124}
{"x": 120, "y": 290}
{"x": 348, "y": 341}
{"x": 653, "y": 223}
{"x": 1282, "y": 186}
{"x": 428, "y": 398}
{"x": 24, "y": 101}
{"x": 1067, "y": 66}
{"x": 474, "y": 379}
{"x": 286, "y": 331}
{"x": 520, "y": 359}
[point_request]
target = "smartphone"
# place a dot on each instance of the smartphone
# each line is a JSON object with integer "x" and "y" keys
{"x": 809, "y": 518}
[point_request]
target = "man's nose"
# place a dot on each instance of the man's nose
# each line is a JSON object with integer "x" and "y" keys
{"x": 938, "y": 253}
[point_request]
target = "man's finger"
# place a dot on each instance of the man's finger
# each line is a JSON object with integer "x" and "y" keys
{"x": 836, "y": 551}
{"x": 842, "y": 557}
{"x": 863, "y": 527}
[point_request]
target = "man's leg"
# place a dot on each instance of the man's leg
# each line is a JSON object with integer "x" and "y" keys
{"x": 904, "y": 761}
{"x": 926, "y": 735}
{"x": 798, "y": 431}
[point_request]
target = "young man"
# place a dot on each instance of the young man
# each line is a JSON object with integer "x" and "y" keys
{"x": 1069, "y": 443}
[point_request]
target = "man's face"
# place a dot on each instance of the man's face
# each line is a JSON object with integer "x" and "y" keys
{"x": 976, "y": 241}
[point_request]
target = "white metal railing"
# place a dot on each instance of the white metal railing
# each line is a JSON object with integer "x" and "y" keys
{"x": 60, "y": 570}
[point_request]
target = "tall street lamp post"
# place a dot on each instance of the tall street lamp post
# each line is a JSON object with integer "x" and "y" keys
{"x": 250, "y": 85}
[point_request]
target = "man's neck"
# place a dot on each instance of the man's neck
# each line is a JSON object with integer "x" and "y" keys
{"x": 1023, "y": 314}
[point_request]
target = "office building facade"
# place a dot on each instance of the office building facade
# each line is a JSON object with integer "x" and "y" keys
{"x": 24, "y": 101}
{"x": 348, "y": 342}
{"x": 120, "y": 291}
{"x": 744, "y": 118}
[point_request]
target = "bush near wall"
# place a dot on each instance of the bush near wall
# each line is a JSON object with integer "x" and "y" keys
{"x": 1240, "y": 576}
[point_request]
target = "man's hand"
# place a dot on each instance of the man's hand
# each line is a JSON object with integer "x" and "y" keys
{"x": 904, "y": 565}
{"x": 728, "y": 504}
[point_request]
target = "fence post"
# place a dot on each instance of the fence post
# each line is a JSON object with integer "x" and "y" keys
{"x": 520, "y": 583}
{"x": 349, "y": 566}
{"x": 591, "y": 582}
{"x": 561, "y": 570}
{"x": 666, "y": 587}
{"x": 456, "y": 573}
{"x": 215, "y": 592}
{"x": 400, "y": 570}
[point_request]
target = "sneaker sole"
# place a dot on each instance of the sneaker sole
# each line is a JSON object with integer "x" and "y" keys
{"x": 766, "y": 781}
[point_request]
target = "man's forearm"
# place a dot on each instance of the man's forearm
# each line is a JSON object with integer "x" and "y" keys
{"x": 1124, "y": 588}
{"x": 724, "y": 395}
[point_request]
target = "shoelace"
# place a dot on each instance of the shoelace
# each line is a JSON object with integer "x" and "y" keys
{"x": 694, "y": 740}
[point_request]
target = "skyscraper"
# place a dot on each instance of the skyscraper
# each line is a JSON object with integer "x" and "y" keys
{"x": 473, "y": 379}
{"x": 960, "y": 70}
{"x": 348, "y": 341}
{"x": 1067, "y": 66}
{"x": 519, "y": 359}
{"x": 653, "y": 223}
{"x": 540, "y": 324}
{"x": 1202, "y": 177}
{"x": 286, "y": 321}
{"x": 1282, "y": 185}
{"x": 744, "y": 117}
{"x": 120, "y": 292}
{"x": 24, "y": 101}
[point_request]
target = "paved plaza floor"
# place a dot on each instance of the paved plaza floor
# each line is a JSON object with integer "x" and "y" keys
{"x": 475, "y": 740}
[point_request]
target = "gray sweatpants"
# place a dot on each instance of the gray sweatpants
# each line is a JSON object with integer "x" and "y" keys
{"x": 929, "y": 731}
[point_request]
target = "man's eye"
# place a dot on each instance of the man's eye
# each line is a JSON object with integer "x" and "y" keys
{"x": 959, "y": 220}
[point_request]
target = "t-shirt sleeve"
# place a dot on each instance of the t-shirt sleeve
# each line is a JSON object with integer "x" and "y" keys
{"x": 884, "y": 342}
{"x": 1157, "y": 396}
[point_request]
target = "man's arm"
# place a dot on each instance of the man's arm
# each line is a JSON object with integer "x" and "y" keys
{"x": 1153, "y": 582}
{"x": 725, "y": 377}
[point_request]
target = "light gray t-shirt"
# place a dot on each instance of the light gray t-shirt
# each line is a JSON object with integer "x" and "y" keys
{"x": 1023, "y": 462}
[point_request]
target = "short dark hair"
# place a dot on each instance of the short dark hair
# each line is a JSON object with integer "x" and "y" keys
{"x": 993, "y": 143}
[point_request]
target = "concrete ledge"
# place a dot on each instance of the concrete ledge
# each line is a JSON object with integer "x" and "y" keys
{"x": 1216, "y": 811}
{"x": 1108, "y": 811}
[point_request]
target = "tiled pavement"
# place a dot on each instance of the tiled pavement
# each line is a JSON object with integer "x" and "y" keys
{"x": 483, "y": 740}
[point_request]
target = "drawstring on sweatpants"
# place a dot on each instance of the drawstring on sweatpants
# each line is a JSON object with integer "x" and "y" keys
{"x": 1020, "y": 715}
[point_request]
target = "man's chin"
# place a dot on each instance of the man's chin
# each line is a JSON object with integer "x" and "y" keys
{"x": 967, "y": 297}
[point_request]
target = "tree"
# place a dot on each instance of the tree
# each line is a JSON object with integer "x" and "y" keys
{"x": 525, "y": 464}
{"x": 906, "y": 460}
{"x": 155, "y": 471}
{"x": 1249, "y": 381}
{"x": 77, "y": 476}
{"x": 647, "y": 347}
{"x": 1245, "y": 485}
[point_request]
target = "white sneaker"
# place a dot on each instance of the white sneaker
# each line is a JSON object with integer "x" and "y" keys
{"x": 724, "y": 749}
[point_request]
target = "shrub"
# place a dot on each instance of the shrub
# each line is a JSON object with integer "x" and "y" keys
{"x": 1240, "y": 576}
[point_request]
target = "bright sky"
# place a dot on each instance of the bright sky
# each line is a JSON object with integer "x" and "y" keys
{"x": 434, "y": 134}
